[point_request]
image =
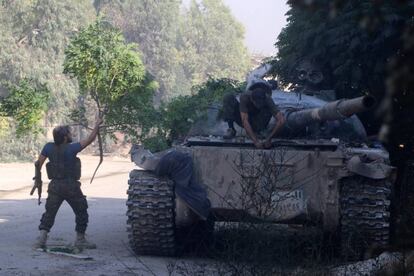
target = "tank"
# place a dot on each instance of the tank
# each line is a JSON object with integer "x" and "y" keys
{"x": 321, "y": 170}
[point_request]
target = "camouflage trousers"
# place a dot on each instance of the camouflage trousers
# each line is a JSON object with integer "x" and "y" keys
{"x": 231, "y": 113}
{"x": 69, "y": 190}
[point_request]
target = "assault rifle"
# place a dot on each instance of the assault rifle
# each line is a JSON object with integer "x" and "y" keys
{"x": 37, "y": 182}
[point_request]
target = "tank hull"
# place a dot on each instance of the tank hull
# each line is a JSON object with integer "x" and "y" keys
{"x": 289, "y": 183}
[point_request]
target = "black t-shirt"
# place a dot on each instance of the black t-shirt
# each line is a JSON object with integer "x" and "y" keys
{"x": 69, "y": 156}
{"x": 247, "y": 106}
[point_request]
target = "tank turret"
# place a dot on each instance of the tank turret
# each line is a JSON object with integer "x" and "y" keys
{"x": 306, "y": 117}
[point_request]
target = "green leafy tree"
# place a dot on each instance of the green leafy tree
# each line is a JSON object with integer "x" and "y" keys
{"x": 181, "y": 48}
{"x": 4, "y": 126}
{"x": 153, "y": 25}
{"x": 33, "y": 36}
{"x": 175, "y": 118}
{"x": 352, "y": 41}
{"x": 21, "y": 114}
{"x": 26, "y": 104}
{"x": 110, "y": 73}
{"x": 211, "y": 43}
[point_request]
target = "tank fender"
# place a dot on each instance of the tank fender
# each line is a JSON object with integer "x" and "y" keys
{"x": 371, "y": 168}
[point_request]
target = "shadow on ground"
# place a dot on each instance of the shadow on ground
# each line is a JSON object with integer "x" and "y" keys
{"x": 19, "y": 220}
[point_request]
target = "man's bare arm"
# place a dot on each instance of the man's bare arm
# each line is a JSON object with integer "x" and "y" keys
{"x": 86, "y": 142}
{"x": 280, "y": 121}
{"x": 245, "y": 121}
{"x": 40, "y": 161}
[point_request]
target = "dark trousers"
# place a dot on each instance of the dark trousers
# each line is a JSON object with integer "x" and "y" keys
{"x": 178, "y": 167}
{"x": 231, "y": 113}
{"x": 69, "y": 190}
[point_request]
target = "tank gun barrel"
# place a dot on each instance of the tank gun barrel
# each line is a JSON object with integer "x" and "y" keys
{"x": 336, "y": 110}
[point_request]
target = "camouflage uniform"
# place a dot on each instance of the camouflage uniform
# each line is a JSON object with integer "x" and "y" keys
{"x": 69, "y": 190}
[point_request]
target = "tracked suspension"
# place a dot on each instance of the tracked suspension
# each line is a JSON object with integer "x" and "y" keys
{"x": 151, "y": 214}
{"x": 365, "y": 214}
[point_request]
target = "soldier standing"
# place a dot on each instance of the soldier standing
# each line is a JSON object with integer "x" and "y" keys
{"x": 64, "y": 169}
{"x": 253, "y": 113}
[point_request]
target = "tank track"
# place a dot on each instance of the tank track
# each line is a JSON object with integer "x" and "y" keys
{"x": 365, "y": 215}
{"x": 151, "y": 214}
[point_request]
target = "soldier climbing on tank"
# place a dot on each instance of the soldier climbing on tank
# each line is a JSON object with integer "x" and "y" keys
{"x": 64, "y": 171}
{"x": 253, "y": 113}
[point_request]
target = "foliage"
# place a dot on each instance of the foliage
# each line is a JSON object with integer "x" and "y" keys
{"x": 110, "y": 72}
{"x": 182, "y": 111}
{"x": 34, "y": 35}
{"x": 4, "y": 126}
{"x": 26, "y": 104}
{"x": 181, "y": 48}
{"x": 19, "y": 149}
{"x": 211, "y": 43}
{"x": 351, "y": 41}
{"x": 103, "y": 64}
{"x": 176, "y": 117}
{"x": 134, "y": 113}
{"x": 155, "y": 32}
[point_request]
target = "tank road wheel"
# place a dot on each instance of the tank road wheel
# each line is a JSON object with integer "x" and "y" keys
{"x": 151, "y": 214}
{"x": 365, "y": 215}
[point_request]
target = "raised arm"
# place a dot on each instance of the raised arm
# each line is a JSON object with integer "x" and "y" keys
{"x": 86, "y": 142}
{"x": 246, "y": 125}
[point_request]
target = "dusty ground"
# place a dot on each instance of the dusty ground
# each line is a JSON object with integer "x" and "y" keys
{"x": 20, "y": 214}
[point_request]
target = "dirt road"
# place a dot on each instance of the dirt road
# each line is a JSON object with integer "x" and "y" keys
{"x": 20, "y": 214}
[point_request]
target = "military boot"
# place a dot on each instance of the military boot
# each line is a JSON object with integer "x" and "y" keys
{"x": 41, "y": 240}
{"x": 82, "y": 243}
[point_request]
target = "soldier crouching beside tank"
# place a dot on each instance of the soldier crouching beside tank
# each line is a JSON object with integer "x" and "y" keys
{"x": 64, "y": 171}
{"x": 253, "y": 113}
